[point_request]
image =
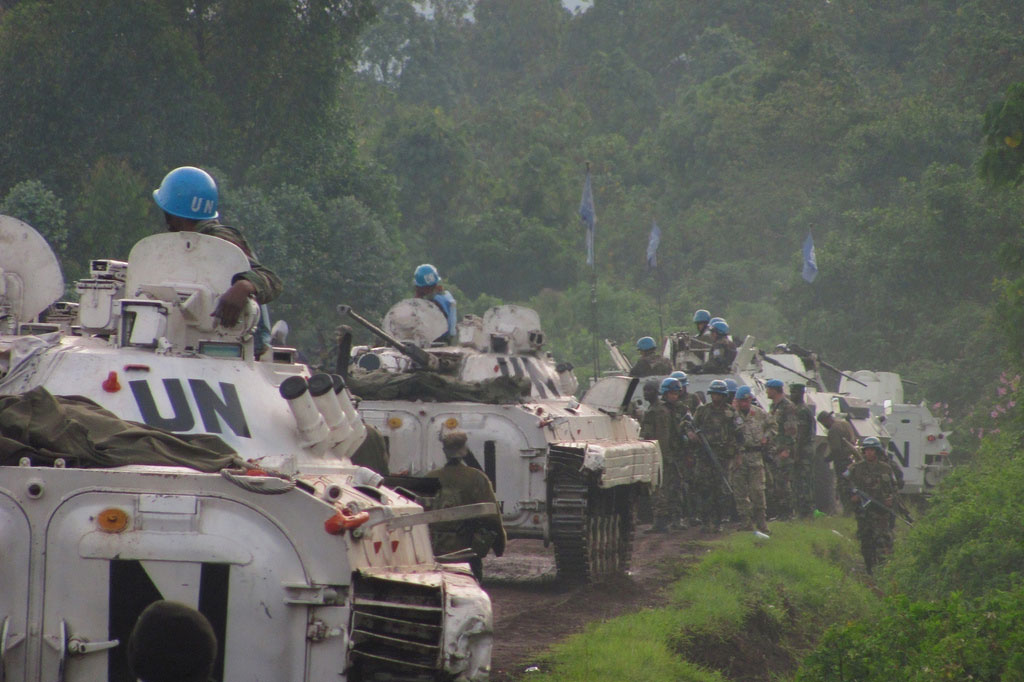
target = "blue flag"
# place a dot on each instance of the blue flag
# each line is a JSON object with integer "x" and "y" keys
{"x": 652, "y": 245}
{"x": 588, "y": 217}
{"x": 810, "y": 260}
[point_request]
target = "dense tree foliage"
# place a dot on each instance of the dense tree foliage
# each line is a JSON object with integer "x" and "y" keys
{"x": 373, "y": 135}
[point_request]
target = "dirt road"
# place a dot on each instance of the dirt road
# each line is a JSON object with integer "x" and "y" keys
{"x": 532, "y": 610}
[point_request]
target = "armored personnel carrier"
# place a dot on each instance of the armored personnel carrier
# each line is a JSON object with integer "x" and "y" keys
{"x": 919, "y": 445}
{"x": 562, "y": 470}
{"x": 307, "y": 568}
{"x": 753, "y": 367}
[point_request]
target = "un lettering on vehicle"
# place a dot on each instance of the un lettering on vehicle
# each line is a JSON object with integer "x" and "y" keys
{"x": 215, "y": 408}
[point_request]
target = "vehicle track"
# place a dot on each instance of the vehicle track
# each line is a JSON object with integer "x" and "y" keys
{"x": 533, "y": 610}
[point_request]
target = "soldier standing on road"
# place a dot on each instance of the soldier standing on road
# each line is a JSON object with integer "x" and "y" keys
{"x": 783, "y": 448}
{"x": 188, "y": 197}
{"x": 723, "y": 350}
{"x": 748, "y": 465}
{"x": 661, "y": 423}
{"x": 803, "y": 461}
{"x": 460, "y": 485}
{"x": 842, "y": 451}
{"x": 719, "y": 424}
{"x": 873, "y": 478}
{"x": 690, "y": 402}
{"x": 649, "y": 362}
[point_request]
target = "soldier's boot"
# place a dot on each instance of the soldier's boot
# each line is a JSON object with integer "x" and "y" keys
{"x": 761, "y": 522}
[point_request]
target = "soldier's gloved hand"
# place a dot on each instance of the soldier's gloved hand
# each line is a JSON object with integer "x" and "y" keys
{"x": 232, "y": 303}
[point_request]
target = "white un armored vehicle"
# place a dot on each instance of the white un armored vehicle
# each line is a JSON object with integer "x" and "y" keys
{"x": 312, "y": 571}
{"x": 562, "y": 470}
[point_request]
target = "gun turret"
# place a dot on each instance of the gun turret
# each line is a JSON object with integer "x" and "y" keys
{"x": 417, "y": 354}
{"x": 772, "y": 361}
{"x": 803, "y": 352}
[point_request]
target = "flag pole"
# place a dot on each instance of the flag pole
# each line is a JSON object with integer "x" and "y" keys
{"x": 661, "y": 322}
{"x": 593, "y": 303}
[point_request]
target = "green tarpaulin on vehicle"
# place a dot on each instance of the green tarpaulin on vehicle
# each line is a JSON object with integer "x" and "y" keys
{"x": 430, "y": 386}
{"x": 44, "y": 427}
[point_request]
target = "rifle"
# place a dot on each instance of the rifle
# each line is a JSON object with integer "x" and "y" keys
{"x": 706, "y": 448}
{"x": 866, "y": 501}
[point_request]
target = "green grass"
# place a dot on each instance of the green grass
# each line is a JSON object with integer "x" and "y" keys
{"x": 793, "y": 585}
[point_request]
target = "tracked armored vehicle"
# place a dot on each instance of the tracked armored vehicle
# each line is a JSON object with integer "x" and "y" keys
{"x": 562, "y": 470}
{"x": 919, "y": 444}
{"x": 306, "y": 566}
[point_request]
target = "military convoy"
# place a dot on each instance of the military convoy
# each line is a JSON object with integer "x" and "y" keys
{"x": 565, "y": 471}
{"x": 871, "y": 401}
{"x": 306, "y": 566}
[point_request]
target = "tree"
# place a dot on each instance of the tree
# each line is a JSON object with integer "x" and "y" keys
{"x": 31, "y": 202}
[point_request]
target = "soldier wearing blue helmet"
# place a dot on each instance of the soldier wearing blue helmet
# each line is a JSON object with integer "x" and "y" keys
{"x": 702, "y": 319}
{"x": 427, "y": 283}
{"x": 872, "y": 479}
{"x": 731, "y": 387}
{"x": 661, "y": 424}
{"x": 723, "y": 350}
{"x": 719, "y": 425}
{"x": 748, "y": 473}
{"x": 782, "y": 448}
{"x": 188, "y": 197}
{"x": 649, "y": 363}
{"x": 687, "y": 399}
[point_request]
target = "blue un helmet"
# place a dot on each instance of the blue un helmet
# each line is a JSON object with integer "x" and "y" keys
{"x": 681, "y": 377}
{"x": 715, "y": 319}
{"x": 774, "y": 383}
{"x": 188, "y": 192}
{"x": 744, "y": 393}
{"x": 871, "y": 442}
{"x": 730, "y": 386}
{"x": 718, "y": 386}
{"x": 426, "y": 276}
{"x": 702, "y": 316}
{"x": 669, "y": 384}
{"x": 645, "y": 343}
{"x": 720, "y": 326}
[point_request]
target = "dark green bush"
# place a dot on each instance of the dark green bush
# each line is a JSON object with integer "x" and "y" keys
{"x": 972, "y": 538}
{"x": 916, "y": 641}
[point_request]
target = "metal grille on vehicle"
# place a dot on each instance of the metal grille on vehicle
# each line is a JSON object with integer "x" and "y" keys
{"x": 396, "y": 630}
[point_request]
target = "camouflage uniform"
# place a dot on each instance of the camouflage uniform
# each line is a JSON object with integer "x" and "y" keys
{"x": 268, "y": 285}
{"x": 720, "y": 357}
{"x": 651, "y": 364}
{"x": 842, "y": 451}
{"x": 373, "y": 452}
{"x": 873, "y": 523}
{"x": 662, "y": 424}
{"x": 719, "y": 424}
{"x": 803, "y": 462}
{"x": 748, "y": 471}
{"x": 690, "y": 400}
{"x": 461, "y": 485}
{"x": 784, "y": 432}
